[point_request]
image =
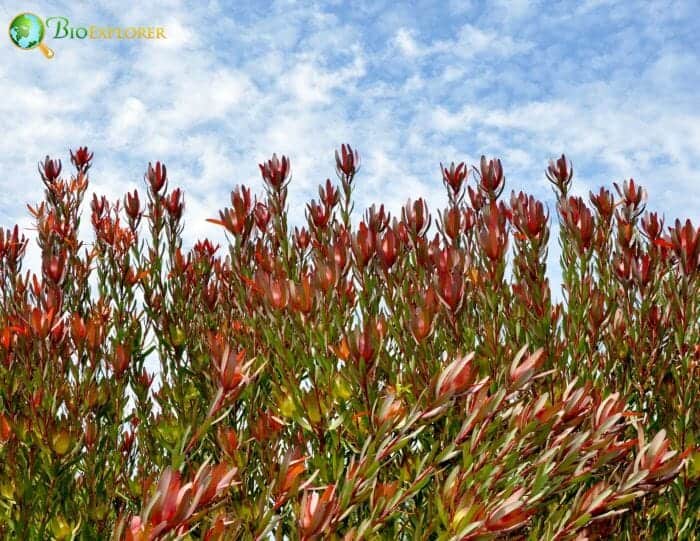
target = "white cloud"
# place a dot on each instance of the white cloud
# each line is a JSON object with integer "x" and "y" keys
{"x": 409, "y": 90}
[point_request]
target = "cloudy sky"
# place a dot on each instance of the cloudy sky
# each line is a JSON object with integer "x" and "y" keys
{"x": 611, "y": 84}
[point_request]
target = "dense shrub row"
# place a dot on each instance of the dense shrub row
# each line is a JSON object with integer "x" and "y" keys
{"x": 350, "y": 381}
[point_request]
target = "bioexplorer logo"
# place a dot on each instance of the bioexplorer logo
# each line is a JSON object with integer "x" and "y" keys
{"x": 27, "y": 31}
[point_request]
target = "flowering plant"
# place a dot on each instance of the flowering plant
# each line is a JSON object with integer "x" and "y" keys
{"x": 349, "y": 381}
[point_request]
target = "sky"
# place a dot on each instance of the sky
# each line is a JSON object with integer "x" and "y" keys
{"x": 613, "y": 85}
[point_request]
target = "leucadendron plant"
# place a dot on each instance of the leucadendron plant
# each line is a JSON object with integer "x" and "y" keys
{"x": 405, "y": 377}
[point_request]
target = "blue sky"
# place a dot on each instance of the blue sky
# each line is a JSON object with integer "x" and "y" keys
{"x": 611, "y": 84}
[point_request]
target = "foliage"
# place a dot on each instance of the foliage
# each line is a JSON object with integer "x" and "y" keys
{"x": 350, "y": 382}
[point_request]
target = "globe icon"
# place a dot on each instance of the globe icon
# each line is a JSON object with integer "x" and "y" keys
{"x": 27, "y": 32}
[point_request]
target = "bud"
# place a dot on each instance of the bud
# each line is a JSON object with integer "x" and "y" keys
{"x": 560, "y": 174}
{"x": 61, "y": 442}
{"x": 50, "y": 170}
{"x": 347, "y": 162}
{"x": 156, "y": 176}
{"x": 174, "y": 205}
{"x": 262, "y": 216}
{"x": 132, "y": 205}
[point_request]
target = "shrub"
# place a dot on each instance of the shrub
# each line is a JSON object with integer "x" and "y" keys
{"x": 349, "y": 382}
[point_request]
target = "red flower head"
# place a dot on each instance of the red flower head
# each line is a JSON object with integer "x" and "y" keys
{"x": 241, "y": 201}
{"x": 416, "y": 217}
{"x": 132, "y": 205}
{"x": 491, "y": 180}
{"x": 454, "y": 176}
{"x": 156, "y": 176}
{"x": 81, "y": 159}
{"x": 329, "y": 195}
{"x": 633, "y": 196}
{"x": 364, "y": 245}
{"x": 529, "y": 216}
{"x": 604, "y": 203}
{"x": 262, "y": 216}
{"x": 458, "y": 377}
{"x": 652, "y": 226}
{"x": 232, "y": 372}
{"x": 579, "y": 220}
{"x": 560, "y": 174}
{"x": 302, "y": 238}
{"x": 388, "y": 248}
{"x": 50, "y": 170}
{"x": 347, "y": 162}
{"x": 275, "y": 172}
{"x": 320, "y": 215}
{"x": 686, "y": 245}
{"x": 121, "y": 359}
{"x": 423, "y": 316}
{"x": 363, "y": 343}
{"x": 452, "y": 222}
{"x": 55, "y": 267}
{"x": 174, "y": 204}
{"x": 493, "y": 238}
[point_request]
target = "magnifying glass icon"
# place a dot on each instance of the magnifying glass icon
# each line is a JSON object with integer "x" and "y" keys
{"x": 27, "y": 32}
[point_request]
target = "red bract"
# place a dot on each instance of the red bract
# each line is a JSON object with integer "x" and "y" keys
{"x": 5, "y": 429}
{"x": 454, "y": 176}
{"x": 328, "y": 194}
{"x": 458, "y": 377}
{"x": 228, "y": 440}
{"x": 81, "y": 159}
{"x": 529, "y": 216}
{"x": 387, "y": 248}
{"x": 301, "y": 295}
{"x": 156, "y": 177}
{"x": 633, "y": 196}
{"x": 275, "y": 172}
{"x": 234, "y": 223}
{"x": 652, "y": 226}
{"x": 319, "y": 214}
{"x": 347, "y": 162}
{"x": 416, "y": 217}
{"x": 524, "y": 366}
{"x": 174, "y": 503}
{"x": 364, "y": 245}
{"x": 560, "y": 174}
{"x": 492, "y": 236}
{"x": 316, "y": 513}
{"x": 55, "y": 267}
{"x": 132, "y": 205}
{"x": 241, "y": 201}
{"x": 12, "y": 246}
{"x": 302, "y": 238}
{"x": 512, "y": 513}
{"x": 174, "y": 204}
{"x": 121, "y": 359}
{"x": 262, "y": 216}
{"x": 50, "y": 170}
{"x": 579, "y": 220}
{"x": 604, "y": 203}
{"x": 491, "y": 181}
{"x": 231, "y": 370}
{"x": 685, "y": 240}
{"x": 452, "y": 223}
{"x": 363, "y": 343}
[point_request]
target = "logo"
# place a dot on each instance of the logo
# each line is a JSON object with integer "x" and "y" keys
{"x": 27, "y": 31}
